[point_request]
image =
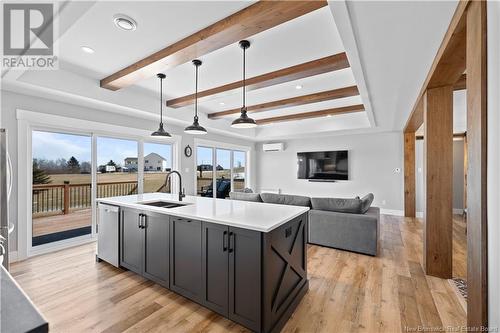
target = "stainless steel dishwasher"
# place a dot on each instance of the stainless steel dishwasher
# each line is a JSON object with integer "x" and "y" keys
{"x": 108, "y": 234}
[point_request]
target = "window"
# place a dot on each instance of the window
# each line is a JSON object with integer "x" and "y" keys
{"x": 61, "y": 186}
{"x": 223, "y": 173}
{"x": 219, "y": 171}
{"x": 239, "y": 170}
{"x": 204, "y": 174}
{"x": 116, "y": 167}
{"x": 68, "y": 167}
{"x": 157, "y": 164}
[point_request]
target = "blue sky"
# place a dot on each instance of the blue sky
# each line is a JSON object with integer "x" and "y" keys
{"x": 52, "y": 146}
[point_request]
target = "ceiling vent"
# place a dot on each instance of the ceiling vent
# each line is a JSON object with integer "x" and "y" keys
{"x": 280, "y": 146}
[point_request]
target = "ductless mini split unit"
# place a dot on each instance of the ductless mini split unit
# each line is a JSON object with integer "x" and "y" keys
{"x": 280, "y": 146}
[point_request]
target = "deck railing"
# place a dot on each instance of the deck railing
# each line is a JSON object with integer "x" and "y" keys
{"x": 63, "y": 198}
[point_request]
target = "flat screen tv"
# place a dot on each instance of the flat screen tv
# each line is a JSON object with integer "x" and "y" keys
{"x": 323, "y": 165}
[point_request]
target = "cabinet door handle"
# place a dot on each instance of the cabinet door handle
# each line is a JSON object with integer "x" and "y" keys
{"x": 144, "y": 221}
{"x": 139, "y": 221}
{"x": 231, "y": 248}
{"x": 224, "y": 246}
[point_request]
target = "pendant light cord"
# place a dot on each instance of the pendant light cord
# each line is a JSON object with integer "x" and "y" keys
{"x": 244, "y": 90}
{"x": 196, "y": 95}
{"x": 161, "y": 101}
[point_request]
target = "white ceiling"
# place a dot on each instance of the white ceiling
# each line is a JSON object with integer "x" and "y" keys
{"x": 398, "y": 41}
{"x": 394, "y": 45}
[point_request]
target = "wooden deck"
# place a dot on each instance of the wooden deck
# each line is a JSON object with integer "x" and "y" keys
{"x": 57, "y": 223}
{"x": 348, "y": 292}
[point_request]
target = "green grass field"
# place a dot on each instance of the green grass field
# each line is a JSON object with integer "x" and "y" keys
{"x": 152, "y": 180}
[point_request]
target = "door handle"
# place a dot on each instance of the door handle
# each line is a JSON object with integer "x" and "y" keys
{"x": 224, "y": 244}
{"x": 139, "y": 221}
{"x": 231, "y": 248}
{"x": 144, "y": 221}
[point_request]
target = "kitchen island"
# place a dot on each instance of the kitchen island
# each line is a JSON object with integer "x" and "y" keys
{"x": 243, "y": 260}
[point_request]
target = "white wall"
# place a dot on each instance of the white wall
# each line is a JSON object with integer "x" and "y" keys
{"x": 12, "y": 101}
{"x": 458, "y": 176}
{"x": 373, "y": 159}
{"x": 493, "y": 163}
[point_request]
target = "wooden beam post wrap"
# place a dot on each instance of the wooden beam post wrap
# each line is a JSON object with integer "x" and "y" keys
{"x": 477, "y": 258}
{"x": 409, "y": 172}
{"x": 438, "y": 181}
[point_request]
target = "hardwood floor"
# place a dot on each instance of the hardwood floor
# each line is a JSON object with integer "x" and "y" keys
{"x": 348, "y": 292}
{"x": 459, "y": 247}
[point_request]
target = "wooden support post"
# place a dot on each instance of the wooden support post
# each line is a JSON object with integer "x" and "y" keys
{"x": 438, "y": 175}
{"x": 477, "y": 258}
{"x": 466, "y": 167}
{"x": 66, "y": 197}
{"x": 409, "y": 170}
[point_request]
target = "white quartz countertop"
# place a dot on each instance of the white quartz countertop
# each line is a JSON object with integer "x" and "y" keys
{"x": 242, "y": 214}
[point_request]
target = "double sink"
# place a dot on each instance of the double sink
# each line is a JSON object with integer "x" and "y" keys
{"x": 163, "y": 204}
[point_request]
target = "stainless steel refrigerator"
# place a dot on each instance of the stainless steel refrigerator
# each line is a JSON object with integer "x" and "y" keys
{"x": 5, "y": 189}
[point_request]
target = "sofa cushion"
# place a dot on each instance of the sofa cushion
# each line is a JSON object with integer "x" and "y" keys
{"x": 244, "y": 190}
{"x": 366, "y": 202}
{"x": 341, "y": 205}
{"x": 352, "y": 232}
{"x": 242, "y": 196}
{"x": 286, "y": 199}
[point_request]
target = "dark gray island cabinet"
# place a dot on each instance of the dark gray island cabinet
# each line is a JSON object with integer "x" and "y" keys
{"x": 251, "y": 277}
{"x": 144, "y": 244}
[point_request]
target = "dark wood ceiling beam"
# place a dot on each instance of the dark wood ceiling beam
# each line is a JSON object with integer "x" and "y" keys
{"x": 249, "y": 21}
{"x": 313, "y": 114}
{"x": 315, "y": 67}
{"x": 294, "y": 101}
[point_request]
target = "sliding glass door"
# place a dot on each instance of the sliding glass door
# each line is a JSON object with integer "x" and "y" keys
{"x": 204, "y": 171}
{"x": 239, "y": 170}
{"x": 70, "y": 170}
{"x": 220, "y": 171}
{"x": 61, "y": 186}
{"x": 116, "y": 167}
{"x": 223, "y": 173}
{"x": 157, "y": 164}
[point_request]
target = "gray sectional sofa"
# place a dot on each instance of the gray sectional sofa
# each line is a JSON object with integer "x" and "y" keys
{"x": 347, "y": 224}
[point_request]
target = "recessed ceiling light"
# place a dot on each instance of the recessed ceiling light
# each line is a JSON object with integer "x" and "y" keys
{"x": 125, "y": 22}
{"x": 222, "y": 103}
{"x": 87, "y": 49}
{"x": 298, "y": 87}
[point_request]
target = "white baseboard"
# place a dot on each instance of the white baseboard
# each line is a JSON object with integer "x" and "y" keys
{"x": 392, "y": 212}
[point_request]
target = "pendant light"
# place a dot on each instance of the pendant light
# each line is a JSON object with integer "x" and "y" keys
{"x": 161, "y": 131}
{"x": 196, "y": 128}
{"x": 244, "y": 121}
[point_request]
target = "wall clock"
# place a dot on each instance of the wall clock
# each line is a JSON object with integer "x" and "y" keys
{"x": 188, "y": 151}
